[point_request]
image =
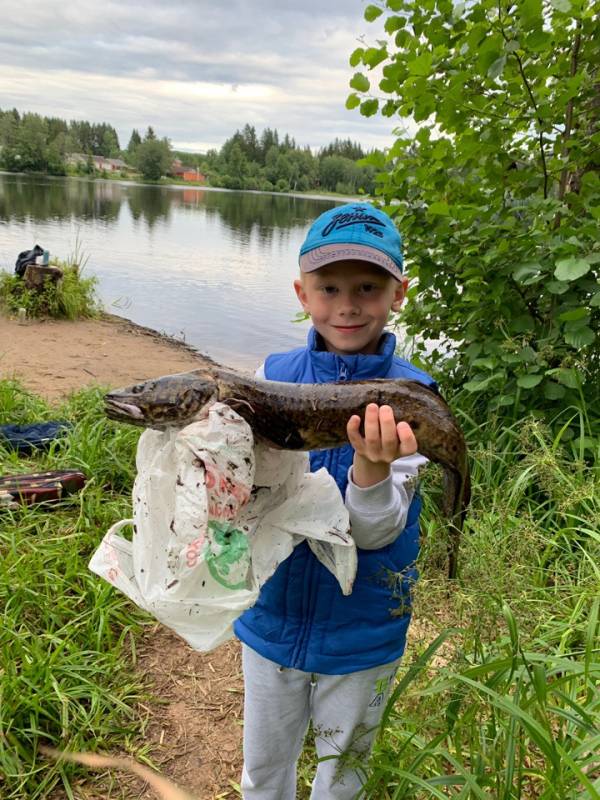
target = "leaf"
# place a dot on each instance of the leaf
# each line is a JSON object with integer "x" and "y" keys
{"x": 393, "y": 24}
{"x": 497, "y": 67}
{"x": 580, "y": 337}
{"x": 352, "y": 101}
{"x": 595, "y": 301}
{"x": 529, "y": 381}
{"x": 480, "y": 385}
{"x": 505, "y": 400}
{"x": 568, "y": 377}
{"x": 372, "y": 12}
{"x": 561, "y": 5}
{"x": 369, "y": 107}
{"x": 374, "y": 56}
{"x": 440, "y": 208}
{"x": 531, "y": 13}
{"x": 573, "y": 314}
{"x": 473, "y": 350}
{"x": 487, "y": 363}
{"x": 557, "y": 287}
{"x": 356, "y": 56}
{"x": 553, "y": 391}
{"x": 421, "y": 65}
{"x": 523, "y": 273}
{"x": 360, "y": 82}
{"x": 569, "y": 269}
{"x": 527, "y": 354}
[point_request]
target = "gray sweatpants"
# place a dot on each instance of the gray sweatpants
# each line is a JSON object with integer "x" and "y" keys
{"x": 345, "y": 711}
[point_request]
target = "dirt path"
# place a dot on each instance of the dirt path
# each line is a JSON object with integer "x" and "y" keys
{"x": 195, "y": 733}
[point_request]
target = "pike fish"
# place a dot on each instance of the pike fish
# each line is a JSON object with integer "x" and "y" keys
{"x": 292, "y": 416}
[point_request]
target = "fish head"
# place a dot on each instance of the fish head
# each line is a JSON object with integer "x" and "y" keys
{"x": 162, "y": 402}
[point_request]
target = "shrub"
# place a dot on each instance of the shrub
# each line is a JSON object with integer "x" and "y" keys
{"x": 72, "y": 297}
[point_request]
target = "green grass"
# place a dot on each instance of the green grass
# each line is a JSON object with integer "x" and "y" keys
{"x": 68, "y": 639}
{"x": 505, "y": 704}
{"x": 499, "y": 700}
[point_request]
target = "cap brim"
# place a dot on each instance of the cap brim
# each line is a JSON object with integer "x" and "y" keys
{"x": 321, "y": 256}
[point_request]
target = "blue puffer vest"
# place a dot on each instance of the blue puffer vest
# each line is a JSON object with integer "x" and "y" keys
{"x": 301, "y": 618}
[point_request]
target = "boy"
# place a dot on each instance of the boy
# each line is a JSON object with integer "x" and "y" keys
{"x": 309, "y": 652}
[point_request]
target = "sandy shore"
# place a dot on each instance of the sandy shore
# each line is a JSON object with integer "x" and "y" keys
{"x": 55, "y": 357}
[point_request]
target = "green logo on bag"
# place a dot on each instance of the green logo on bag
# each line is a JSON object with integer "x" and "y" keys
{"x": 227, "y": 555}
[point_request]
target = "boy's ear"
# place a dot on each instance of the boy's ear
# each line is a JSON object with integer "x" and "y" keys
{"x": 301, "y": 293}
{"x": 399, "y": 293}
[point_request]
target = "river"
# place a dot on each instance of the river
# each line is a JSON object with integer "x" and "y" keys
{"x": 212, "y": 267}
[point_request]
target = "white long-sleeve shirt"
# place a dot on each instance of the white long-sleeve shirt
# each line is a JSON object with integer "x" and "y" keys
{"x": 379, "y": 512}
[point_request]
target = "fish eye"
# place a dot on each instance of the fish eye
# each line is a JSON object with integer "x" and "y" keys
{"x": 137, "y": 388}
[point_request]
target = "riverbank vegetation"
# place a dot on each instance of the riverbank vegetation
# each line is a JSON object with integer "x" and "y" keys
{"x": 72, "y": 296}
{"x": 264, "y": 161}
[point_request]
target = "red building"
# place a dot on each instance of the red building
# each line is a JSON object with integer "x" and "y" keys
{"x": 178, "y": 170}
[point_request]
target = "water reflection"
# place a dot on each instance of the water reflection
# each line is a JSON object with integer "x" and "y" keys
{"x": 214, "y": 267}
{"x": 23, "y": 197}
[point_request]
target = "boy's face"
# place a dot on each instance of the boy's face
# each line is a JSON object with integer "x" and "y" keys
{"x": 349, "y": 303}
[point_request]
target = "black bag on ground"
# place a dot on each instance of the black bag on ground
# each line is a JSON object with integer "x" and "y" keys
{"x": 27, "y": 257}
{"x": 27, "y": 438}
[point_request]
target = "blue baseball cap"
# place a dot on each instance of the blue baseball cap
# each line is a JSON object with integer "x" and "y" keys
{"x": 356, "y": 231}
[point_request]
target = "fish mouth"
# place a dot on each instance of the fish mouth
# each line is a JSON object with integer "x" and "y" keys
{"x": 117, "y": 409}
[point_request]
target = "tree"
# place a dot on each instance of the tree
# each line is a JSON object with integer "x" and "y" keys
{"x": 153, "y": 158}
{"x": 81, "y": 133}
{"x": 134, "y": 142}
{"x": 31, "y": 147}
{"x": 109, "y": 145}
{"x": 343, "y": 147}
{"x": 498, "y": 192}
{"x": 237, "y": 166}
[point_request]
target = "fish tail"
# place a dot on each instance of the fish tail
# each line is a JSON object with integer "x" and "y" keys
{"x": 457, "y": 493}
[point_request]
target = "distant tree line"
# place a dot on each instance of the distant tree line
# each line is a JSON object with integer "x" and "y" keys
{"x": 32, "y": 143}
{"x": 269, "y": 162}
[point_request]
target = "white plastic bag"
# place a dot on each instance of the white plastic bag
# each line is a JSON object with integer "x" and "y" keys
{"x": 213, "y": 518}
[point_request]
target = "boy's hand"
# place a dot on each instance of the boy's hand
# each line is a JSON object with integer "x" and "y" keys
{"x": 384, "y": 441}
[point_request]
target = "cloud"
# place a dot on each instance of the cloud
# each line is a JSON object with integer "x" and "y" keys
{"x": 193, "y": 71}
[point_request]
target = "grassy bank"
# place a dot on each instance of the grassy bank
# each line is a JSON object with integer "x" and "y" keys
{"x": 498, "y": 694}
{"x": 502, "y": 700}
{"x": 68, "y": 640}
{"x": 73, "y": 296}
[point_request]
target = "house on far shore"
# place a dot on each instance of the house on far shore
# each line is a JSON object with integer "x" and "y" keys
{"x": 110, "y": 164}
{"x": 101, "y": 163}
{"x": 178, "y": 170}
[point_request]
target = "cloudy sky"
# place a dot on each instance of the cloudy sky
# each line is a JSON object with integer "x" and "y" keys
{"x": 194, "y": 70}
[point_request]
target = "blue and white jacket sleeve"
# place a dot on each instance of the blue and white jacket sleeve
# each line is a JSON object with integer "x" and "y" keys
{"x": 378, "y": 513}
